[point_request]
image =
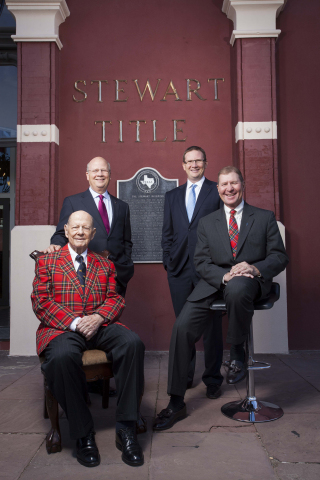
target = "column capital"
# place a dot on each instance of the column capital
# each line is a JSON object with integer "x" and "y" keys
{"x": 38, "y": 20}
{"x": 253, "y": 18}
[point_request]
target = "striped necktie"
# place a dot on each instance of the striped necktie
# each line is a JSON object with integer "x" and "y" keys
{"x": 233, "y": 233}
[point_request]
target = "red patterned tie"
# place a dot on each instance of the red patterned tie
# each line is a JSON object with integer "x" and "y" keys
{"x": 104, "y": 214}
{"x": 233, "y": 233}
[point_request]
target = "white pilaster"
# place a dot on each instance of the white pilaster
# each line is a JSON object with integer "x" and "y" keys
{"x": 23, "y": 322}
{"x": 38, "y": 20}
{"x": 253, "y": 18}
{"x": 270, "y": 327}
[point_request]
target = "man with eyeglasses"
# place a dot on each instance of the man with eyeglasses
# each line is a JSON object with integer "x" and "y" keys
{"x": 111, "y": 220}
{"x": 184, "y": 207}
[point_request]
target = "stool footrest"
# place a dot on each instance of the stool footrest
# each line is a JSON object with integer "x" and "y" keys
{"x": 252, "y": 410}
{"x": 263, "y": 365}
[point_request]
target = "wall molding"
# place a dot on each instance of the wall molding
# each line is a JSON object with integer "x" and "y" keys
{"x": 253, "y": 18}
{"x": 38, "y": 20}
{"x": 37, "y": 133}
{"x": 256, "y": 131}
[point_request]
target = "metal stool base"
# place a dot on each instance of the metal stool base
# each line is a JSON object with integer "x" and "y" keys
{"x": 251, "y": 410}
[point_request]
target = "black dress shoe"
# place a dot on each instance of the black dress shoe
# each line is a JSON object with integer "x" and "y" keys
{"x": 213, "y": 391}
{"x": 87, "y": 451}
{"x": 127, "y": 443}
{"x": 237, "y": 371}
{"x": 167, "y": 418}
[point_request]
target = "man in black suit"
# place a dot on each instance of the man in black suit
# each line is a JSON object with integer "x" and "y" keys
{"x": 183, "y": 208}
{"x": 111, "y": 219}
{"x": 239, "y": 251}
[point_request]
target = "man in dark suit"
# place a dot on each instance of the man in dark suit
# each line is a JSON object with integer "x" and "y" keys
{"x": 184, "y": 207}
{"x": 74, "y": 297}
{"x": 239, "y": 251}
{"x": 111, "y": 219}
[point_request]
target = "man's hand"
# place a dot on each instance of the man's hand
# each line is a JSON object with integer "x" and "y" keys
{"x": 88, "y": 325}
{"x": 244, "y": 269}
{"x": 52, "y": 248}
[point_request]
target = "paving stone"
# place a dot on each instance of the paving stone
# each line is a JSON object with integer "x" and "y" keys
{"x": 292, "y": 438}
{"x": 75, "y": 471}
{"x": 16, "y": 452}
{"x": 152, "y": 360}
{"x": 306, "y": 365}
{"x": 22, "y": 416}
{"x": 24, "y": 390}
{"x": 298, "y": 471}
{"x": 219, "y": 455}
{"x": 202, "y": 415}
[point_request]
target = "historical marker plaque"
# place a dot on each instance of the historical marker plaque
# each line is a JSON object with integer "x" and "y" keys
{"x": 144, "y": 193}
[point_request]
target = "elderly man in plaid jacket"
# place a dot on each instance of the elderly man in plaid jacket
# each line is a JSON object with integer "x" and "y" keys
{"x": 74, "y": 297}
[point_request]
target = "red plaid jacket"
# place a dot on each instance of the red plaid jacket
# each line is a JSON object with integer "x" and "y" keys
{"x": 57, "y": 297}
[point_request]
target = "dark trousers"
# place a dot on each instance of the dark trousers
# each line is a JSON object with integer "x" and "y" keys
{"x": 239, "y": 295}
{"x": 180, "y": 288}
{"x": 66, "y": 379}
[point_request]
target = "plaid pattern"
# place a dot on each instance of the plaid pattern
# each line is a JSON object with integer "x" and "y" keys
{"x": 57, "y": 297}
{"x": 233, "y": 233}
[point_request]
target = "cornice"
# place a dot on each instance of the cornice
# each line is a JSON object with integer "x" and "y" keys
{"x": 38, "y": 20}
{"x": 253, "y": 18}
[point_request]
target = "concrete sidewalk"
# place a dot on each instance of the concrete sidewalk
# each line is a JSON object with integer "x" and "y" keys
{"x": 206, "y": 445}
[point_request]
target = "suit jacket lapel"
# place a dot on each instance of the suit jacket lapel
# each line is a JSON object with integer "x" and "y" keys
{"x": 222, "y": 227}
{"x": 182, "y": 201}
{"x": 246, "y": 224}
{"x": 115, "y": 211}
{"x": 66, "y": 263}
{"x": 91, "y": 208}
{"x": 91, "y": 275}
{"x": 205, "y": 189}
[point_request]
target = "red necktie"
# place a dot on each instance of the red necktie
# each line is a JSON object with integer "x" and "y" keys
{"x": 233, "y": 233}
{"x": 104, "y": 214}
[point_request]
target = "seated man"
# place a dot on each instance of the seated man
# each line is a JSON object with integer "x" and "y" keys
{"x": 74, "y": 297}
{"x": 239, "y": 251}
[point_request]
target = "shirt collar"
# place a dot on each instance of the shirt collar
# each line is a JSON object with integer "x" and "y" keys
{"x": 199, "y": 183}
{"x": 74, "y": 254}
{"x": 95, "y": 194}
{"x": 238, "y": 209}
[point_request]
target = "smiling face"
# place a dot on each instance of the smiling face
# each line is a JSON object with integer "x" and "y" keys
{"x": 230, "y": 189}
{"x": 79, "y": 231}
{"x": 194, "y": 165}
{"x": 98, "y": 174}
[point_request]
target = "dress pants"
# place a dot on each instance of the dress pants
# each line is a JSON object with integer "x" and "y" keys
{"x": 181, "y": 287}
{"x": 66, "y": 379}
{"x": 239, "y": 295}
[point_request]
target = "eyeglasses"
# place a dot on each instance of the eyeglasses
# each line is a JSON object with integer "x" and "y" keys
{"x": 97, "y": 170}
{"x": 197, "y": 162}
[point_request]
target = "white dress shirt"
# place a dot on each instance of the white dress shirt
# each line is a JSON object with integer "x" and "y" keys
{"x": 196, "y": 190}
{"x": 74, "y": 323}
{"x": 106, "y": 201}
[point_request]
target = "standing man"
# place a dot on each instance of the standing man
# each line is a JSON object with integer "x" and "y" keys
{"x": 111, "y": 219}
{"x": 239, "y": 251}
{"x": 183, "y": 208}
{"x": 74, "y": 297}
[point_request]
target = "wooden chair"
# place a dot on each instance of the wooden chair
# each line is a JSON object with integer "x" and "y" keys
{"x": 96, "y": 366}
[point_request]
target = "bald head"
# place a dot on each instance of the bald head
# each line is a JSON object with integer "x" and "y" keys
{"x": 79, "y": 230}
{"x": 98, "y": 174}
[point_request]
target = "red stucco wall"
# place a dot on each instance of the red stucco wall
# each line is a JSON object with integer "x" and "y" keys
{"x": 144, "y": 39}
{"x": 299, "y": 152}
